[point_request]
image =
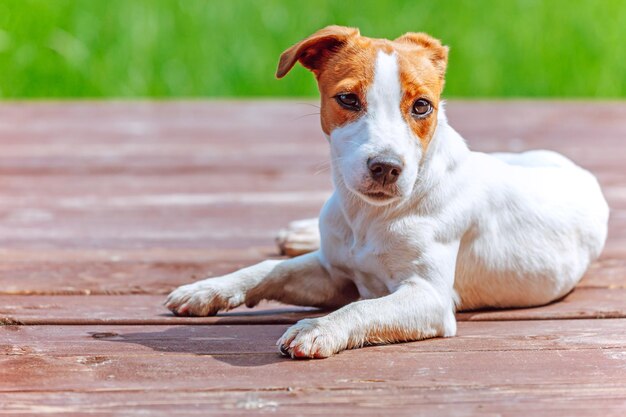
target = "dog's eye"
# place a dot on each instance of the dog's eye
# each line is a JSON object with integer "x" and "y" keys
{"x": 348, "y": 101}
{"x": 421, "y": 108}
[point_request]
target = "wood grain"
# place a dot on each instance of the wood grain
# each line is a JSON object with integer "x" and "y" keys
{"x": 121, "y": 178}
{"x": 132, "y": 340}
{"x": 583, "y": 303}
{"x": 584, "y": 400}
{"x": 493, "y": 366}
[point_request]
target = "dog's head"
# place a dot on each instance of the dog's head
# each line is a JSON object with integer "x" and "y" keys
{"x": 379, "y": 104}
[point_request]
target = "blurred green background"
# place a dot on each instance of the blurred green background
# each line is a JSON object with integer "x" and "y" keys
{"x": 229, "y": 48}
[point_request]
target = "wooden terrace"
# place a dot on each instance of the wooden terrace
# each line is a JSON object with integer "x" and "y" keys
{"x": 107, "y": 206}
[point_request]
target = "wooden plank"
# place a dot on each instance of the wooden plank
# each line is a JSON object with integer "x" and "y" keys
{"x": 188, "y": 228}
{"x": 186, "y": 360}
{"x": 132, "y": 340}
{"x": 541, "y": 366}
{"x": 609, "y": 271}
{"x": 585, "y": 400}
{"x": 53, "y": 190}
{"x": 133, "y": 271}
{"x": 584, "y": 303}
{"x": 121, "y": 270}
{"x": 581, "y": 303}
{"x": 132, "y": 309}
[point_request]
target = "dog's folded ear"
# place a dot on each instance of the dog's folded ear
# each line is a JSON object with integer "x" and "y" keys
{"x": 313, "y": 51}
{"x": 438, "y": 53}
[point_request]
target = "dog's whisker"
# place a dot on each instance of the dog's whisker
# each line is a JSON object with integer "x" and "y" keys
{"x": 309, "y": 104}
{"x": 326, "y": 165}
{"x": 305, "y": 115}
{"x": 321, "y": 170}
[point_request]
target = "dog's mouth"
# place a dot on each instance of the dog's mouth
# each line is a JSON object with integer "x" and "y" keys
{"x": 379, "y": 197}
{"x": 376, "y": 195}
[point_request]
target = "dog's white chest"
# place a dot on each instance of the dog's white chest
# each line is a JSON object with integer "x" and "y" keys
{"x": 369, "y": 272}
{"x": 367, "y": 251}
{"x": 363, "y": 261}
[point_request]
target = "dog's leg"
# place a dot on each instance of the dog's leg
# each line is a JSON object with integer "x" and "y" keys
{"x": 416, "y": 310}
{"x": 300, "y": 237}
{"x": 301, "y": 281}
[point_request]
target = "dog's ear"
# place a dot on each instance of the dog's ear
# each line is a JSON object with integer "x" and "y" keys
{"x": 438, "y": 53}
{"x": 313, "y": 51}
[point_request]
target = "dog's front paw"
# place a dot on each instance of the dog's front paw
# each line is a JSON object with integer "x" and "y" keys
{"x": 312, "y": 338}
{"x": 205, "y": 298}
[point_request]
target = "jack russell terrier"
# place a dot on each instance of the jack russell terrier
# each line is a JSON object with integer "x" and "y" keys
{"x": 418, "y": 225}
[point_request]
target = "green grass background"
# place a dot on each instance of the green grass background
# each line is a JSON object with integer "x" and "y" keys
{"x": 229, "y": 48}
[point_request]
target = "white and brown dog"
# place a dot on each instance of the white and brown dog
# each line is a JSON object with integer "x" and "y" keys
{"x": 418, "y": 225}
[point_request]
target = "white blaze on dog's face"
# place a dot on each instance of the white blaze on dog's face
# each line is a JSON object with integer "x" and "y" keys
{"x": 379, "y": 102}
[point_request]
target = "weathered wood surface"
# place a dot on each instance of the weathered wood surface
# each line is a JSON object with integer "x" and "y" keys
{"x": 157, "y": 270}
{"x": 105, "y": 207}
{"x": 604, "y": 400}
{"x": 583, "y": 303}
{"x": 132, "y": 340}
{"x": 132, "y": 198}
{"x": 489, "y": 366}
{"x": 134, "y": 309}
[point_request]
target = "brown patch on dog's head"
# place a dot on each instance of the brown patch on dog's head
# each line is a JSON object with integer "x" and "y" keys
{"x": 350, "y": 70}
{"x": 422, "y": 61}
{"x": 340, "y": 59}
{"x": 344, "y": 62}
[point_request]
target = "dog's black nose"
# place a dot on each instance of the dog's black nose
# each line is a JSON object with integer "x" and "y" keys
{"x": 385, "y": 170}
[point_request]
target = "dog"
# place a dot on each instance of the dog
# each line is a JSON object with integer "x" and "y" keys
{"x": 418, "y": 226}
